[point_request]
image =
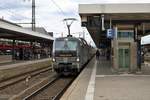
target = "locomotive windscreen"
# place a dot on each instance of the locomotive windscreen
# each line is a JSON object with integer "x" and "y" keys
{"x": 63, "y": 45}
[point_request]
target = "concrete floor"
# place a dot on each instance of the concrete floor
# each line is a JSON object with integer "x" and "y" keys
{"x": 122, "y": 88}
{"x": 108, "y": 85}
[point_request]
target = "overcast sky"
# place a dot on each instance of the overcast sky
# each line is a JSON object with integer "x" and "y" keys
{"x": 49, "y": 12}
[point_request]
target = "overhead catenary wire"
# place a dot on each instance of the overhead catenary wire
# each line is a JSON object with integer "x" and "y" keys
{"x": 62, "y": 12}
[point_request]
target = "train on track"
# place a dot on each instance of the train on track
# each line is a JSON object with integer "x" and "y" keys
{"x": 70, "y": 54}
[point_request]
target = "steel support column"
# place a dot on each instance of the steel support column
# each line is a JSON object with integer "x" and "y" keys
{"x": 13, "y": 50}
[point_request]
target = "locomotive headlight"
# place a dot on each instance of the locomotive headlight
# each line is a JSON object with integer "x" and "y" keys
{"x": 78, "y": 59}
{"x": 53, "y": 59}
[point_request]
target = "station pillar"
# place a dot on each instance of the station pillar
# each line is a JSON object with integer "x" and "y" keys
{"x": 139, "y": 60}
{"x": 13, "y": 50}
{"x": 137, "y": 39}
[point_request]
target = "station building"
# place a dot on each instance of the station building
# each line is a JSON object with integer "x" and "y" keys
{"x": 118, "y": 28}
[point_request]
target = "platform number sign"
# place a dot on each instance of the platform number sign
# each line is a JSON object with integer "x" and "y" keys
{"x": 110, "y": 33}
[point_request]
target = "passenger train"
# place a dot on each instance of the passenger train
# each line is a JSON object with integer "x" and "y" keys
{"x": 70, "y": 54}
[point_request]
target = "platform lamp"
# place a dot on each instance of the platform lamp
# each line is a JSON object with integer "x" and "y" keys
{"x": 69, "y": 22}
{"x": 102, "y": 20}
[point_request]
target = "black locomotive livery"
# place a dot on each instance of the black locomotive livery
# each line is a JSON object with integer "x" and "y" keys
{"x": 70, "y": 54}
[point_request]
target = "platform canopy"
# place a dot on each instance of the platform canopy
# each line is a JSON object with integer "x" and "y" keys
{"x": 13, "y": 31}
{"x": 128, "y": 15}
{"x": 117, "y": 11}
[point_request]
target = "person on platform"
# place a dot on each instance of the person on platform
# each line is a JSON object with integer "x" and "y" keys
{"x": 97, "y": 54}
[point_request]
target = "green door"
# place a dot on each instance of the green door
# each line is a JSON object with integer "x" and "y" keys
{"x": 120, "y": 58}
{"x": 124, "y": 58}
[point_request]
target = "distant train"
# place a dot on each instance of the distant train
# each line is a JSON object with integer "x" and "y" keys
{"x": 70, "y": 54}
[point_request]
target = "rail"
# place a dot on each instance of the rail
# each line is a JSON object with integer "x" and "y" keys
{"x": 41, "y": 89}
{"x": 21, "y": 77}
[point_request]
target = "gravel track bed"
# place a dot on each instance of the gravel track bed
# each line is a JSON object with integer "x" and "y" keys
{"x": 22, "y": 85}
{"x": 52, "y": 90}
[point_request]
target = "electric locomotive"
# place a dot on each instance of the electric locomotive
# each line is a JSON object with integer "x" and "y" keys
{"x": 69, "y": 55}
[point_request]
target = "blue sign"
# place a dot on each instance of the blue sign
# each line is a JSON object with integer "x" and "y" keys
{"x": 110, "y": 33}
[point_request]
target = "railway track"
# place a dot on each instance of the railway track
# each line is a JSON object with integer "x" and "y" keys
{"x": 21, "y": 77}
{"x": 53, "y": 90}
{"x": 49, "y": 86}
{"x": 18, "y": 88}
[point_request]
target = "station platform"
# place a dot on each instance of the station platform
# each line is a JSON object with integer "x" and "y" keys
{"x": 98, "y": 81}
{"x": 9, "y": 70}
{"x": 21, "y": 63}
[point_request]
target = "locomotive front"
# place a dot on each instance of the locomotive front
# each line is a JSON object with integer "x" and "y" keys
{"x": 65, "y": 55}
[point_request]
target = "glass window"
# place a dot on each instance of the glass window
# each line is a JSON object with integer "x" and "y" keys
{"x": 65, "y": 45}
{"x": 94, "y": 21}
{"x": 125, "y": 34}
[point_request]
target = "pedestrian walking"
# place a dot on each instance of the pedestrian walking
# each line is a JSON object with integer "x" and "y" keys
{"x": 97, "y": 54}
{"x": 108, "y": 54}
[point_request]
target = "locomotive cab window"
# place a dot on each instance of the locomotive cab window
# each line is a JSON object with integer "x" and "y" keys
{"x": 65, "y": 45}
